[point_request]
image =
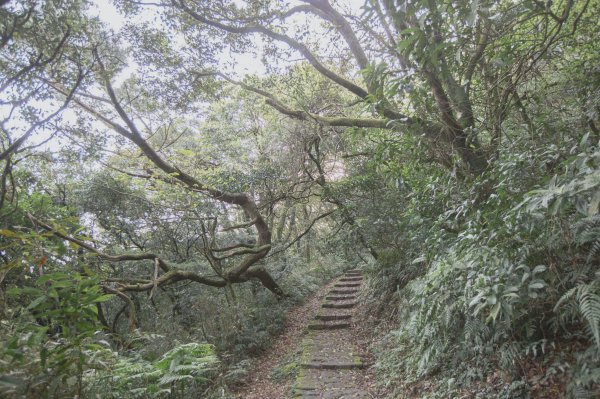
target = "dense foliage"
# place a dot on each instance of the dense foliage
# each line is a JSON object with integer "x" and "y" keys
{"x": 164, "y": 201}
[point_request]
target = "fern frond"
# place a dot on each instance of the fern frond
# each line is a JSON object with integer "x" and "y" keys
{"x": 509, "y": 355}
{"x": 589, "y": 305}
{"x": 170, "y": 378}
{"x": 565, "y": 297}
{"x": 586, "y": 232}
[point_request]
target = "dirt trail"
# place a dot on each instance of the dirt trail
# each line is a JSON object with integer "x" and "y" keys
{"x": 321, "y": 343}
{"x": 331, "y": 365}
{"x": 260, "y": 383}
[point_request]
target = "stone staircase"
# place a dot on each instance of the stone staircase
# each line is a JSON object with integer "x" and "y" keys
{"x": 330, "y": 363}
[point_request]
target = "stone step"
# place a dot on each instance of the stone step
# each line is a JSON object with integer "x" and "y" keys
{"x": 333, "y": 364}
{"x": 330, "y": 363}
{"x": 306, "y": 395}
{"x": 335, "y": 325}
{"x": 328, "y": 384}
{"x": 354, "y": 271}
{"x": 350, "y": 279}
{"x": 344, "y": 291}
{"x": 334, "y": 305}
{"x": 348, "y": 393}
{"x": 330, "y": 351}
{"x": 340, "y": 298}
{"x": 333, "y": 316}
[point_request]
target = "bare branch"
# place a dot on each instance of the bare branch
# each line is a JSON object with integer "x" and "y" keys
{"x": 308, "y": 116}
{"x": 229, "y": 248}
{"x": 129, "y": 303}
{"x": 102, "y": 255}
{"x": 253, "y": 250}
{"x": 19, "y": 142}
{"x": 330, "y": 121}
{"x": 305, "y": 232}
{"x": 240, "y": 226}
{"x": 344, "y": 28}
{"x": 132, "y": 133}
{"x": 479, "y": 50}
{"x": 301, "y": 48}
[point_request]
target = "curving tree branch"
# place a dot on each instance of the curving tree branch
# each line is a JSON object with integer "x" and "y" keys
{"x": 296, "y": 45}
{"x": 240, "y": 272}
{"x": 309, "y": 116}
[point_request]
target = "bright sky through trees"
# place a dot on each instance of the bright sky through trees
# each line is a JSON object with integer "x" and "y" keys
{"x": 241, "y": 64}
{"x": 237, "y": 64}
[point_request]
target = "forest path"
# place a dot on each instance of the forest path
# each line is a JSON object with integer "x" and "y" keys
{"x": 322, "y": 351}
{"x": 331, "y": 365}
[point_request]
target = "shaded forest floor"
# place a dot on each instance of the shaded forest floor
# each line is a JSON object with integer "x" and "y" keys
{"x": 274, "y": 372}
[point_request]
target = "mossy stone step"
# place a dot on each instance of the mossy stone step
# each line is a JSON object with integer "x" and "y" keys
{"x": 340, "y": 298}
{"x": 347, "y": 285}
{"x": 336, "y": 325}
{"x": 331, "y": 366}
{"x": 349, "y": 393}
{"x": 344, "y": 291}
{"x": 332, "y": 393}
{"x": 334, "y": 305}
{"x": 350, "y": 279}
{"x": 334, "y": 316}
{"x": 306, "y": 395}
{"x": 328, "y": 384}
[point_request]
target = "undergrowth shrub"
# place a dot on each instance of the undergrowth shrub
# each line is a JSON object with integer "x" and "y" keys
{"x": 182, "y": 372}
{"x": 48, "y": 345}
{"x": 519, "y": 285}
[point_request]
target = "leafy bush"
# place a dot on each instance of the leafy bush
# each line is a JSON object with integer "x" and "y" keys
{"x": 182, "y": 372}
{"x": 508, "y": 291}
{"x": 47, "y": 348}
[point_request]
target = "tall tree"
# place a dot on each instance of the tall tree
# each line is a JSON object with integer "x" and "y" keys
{"x": 423, "y": 62}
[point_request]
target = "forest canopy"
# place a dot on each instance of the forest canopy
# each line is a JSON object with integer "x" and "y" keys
{"x": 175, "y": 175}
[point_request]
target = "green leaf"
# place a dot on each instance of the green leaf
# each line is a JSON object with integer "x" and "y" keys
{"x": 104, "y": 298}
{"x": 476, "y": 300}
{"x": 186, "y": 153}
{"x": 495, "y": 311}
{"x": 539, "y": 269}
{"x": 37, "y": 302}
{"x": 491, "y": 300}
{"x": 537, "y": 285}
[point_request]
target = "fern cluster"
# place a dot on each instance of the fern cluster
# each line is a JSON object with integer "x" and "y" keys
{"x": 180, "y": 372}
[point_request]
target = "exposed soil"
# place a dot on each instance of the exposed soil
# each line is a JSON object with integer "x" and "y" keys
{"x": 259, "y": 384}
{"x": 262, "y": 383}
